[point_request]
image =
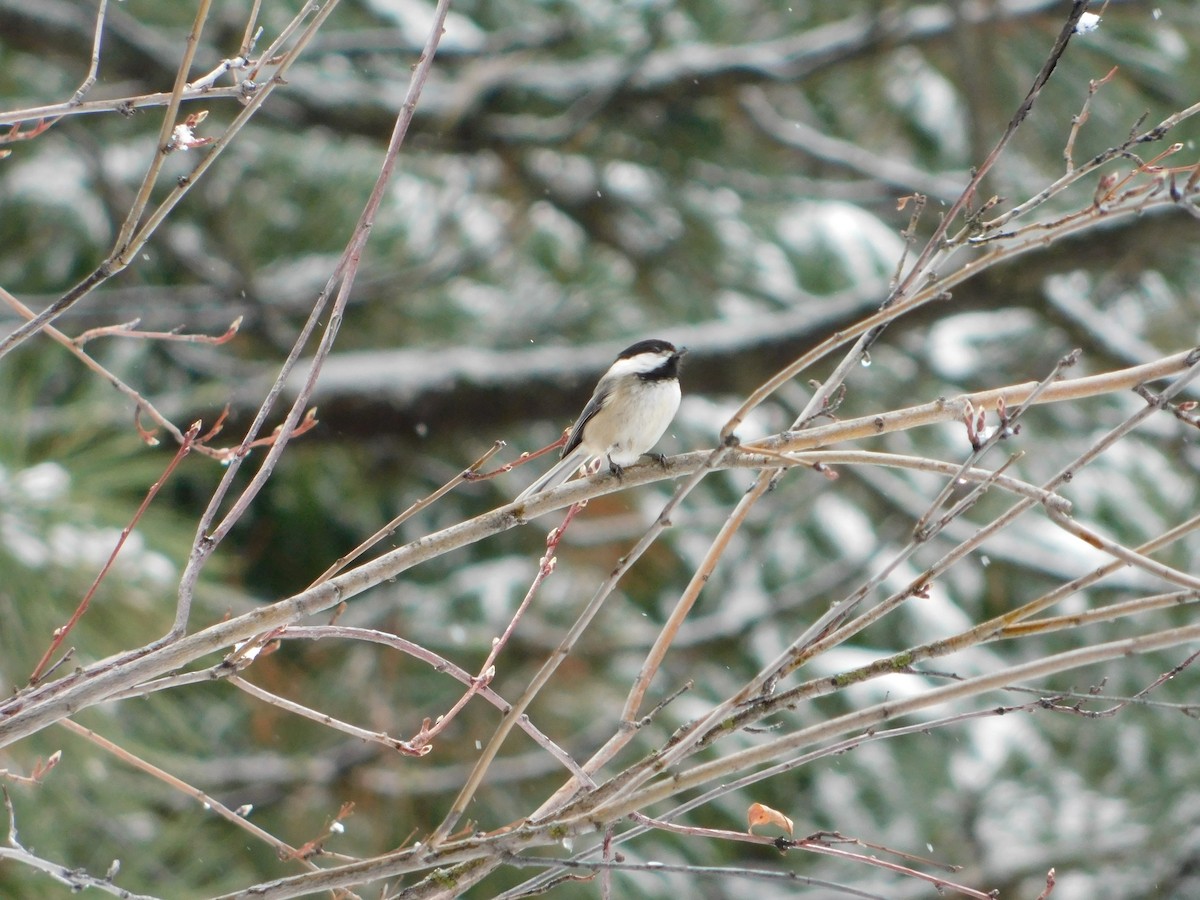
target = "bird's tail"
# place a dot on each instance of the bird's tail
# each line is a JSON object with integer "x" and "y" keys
{"x": 562, "y": 470}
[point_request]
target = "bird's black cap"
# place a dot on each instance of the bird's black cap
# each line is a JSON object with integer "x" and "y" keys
{"x": 653, "y": 345}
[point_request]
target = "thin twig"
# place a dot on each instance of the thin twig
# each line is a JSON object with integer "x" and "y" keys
{"x": 653, "y": 660}
{"x": 1077, "y": 122}
{"x": 94, "y": 67}
{"x": 206, "y": 801}
{"x": 482, "y": 853}
{"x": 170, "y": 118}
{"x": 299, "y": 709}
{"x": 657, "y": 653}
{"x": 487, "y": 670}
{"x": 129, "y": 330}
{"x": 60, "y": 634}
{"x": 141, "y": 403}
{"x": 465, "y": 475}
{"x": 1109, "y": 613}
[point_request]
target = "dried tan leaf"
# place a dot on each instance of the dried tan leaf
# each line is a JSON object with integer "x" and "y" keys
{"x": 758, "y": 814}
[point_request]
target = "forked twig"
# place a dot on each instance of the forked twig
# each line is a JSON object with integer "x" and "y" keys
{"x": 487, "y": 671}
{"x": 1077, "y": 122}
{"x": 129, "y": 330}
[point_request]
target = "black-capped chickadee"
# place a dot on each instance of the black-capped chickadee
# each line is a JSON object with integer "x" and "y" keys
{"x": 632, "y": 406}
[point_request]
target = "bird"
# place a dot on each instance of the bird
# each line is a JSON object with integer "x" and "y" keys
{"x": 631, "y": 407}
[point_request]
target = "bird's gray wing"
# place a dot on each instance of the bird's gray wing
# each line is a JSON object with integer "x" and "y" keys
{"x": 593, "y": 406}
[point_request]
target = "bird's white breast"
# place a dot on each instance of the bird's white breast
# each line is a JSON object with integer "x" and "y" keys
{"x": 648, "y": 410}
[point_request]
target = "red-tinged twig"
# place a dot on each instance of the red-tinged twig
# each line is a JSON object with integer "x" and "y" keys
{"x": 980, "y": 446}
{"x": 315, "y": 846}
{"x": 282, "y": 849}
{"x": 520, "y": 460}
{"x": 61, "y": 633}
{"x": 468, "y": 474}
{"x": 15, "y": 133}
{"x": 439, "y": 663}
{"x": 306, "y": 424}
{"x": 1049, "y": 889}
{"x": 129, "y": 330}
{"x": 1111, "y": 185}
{"x": 141, "y": 404}
{"x": 1077, "y": 122}
{"x": 147, "y": 435}
{"x": 430, "y": 730}
{"x": 200, "y": 445}
{"x": 216, "y": 428}
{"x": 41, "y": 769}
